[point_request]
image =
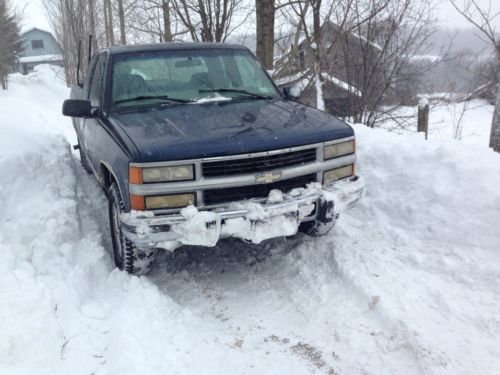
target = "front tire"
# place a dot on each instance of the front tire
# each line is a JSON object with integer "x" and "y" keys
{"x": 324, "y": 222}
{"x": 84, "y": 161}
{"x": 126, "y": 254}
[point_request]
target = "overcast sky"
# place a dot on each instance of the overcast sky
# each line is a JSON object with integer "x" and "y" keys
{"x": 34, "y": 13}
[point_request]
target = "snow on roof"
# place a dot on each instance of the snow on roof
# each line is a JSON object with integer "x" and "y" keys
{"x": 290, "y": 79}
{"x": 40, "y": 58}
{"x": 425, "y": 58}
{"x": 362, "y": 38}
{"x": 340, "y": 83}
{"x": 35, "y": 28}
{"x": 301, "y": 80}
{"x": 298, "y": 82}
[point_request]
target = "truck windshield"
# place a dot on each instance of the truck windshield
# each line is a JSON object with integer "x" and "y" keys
{"x": 154, "y": 78}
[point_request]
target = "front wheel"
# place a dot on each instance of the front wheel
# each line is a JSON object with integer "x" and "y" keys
{"x": 126, "y": 254}
{"x": 324, "y": 222}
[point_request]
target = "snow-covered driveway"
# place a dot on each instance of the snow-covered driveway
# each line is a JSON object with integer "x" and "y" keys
{"x": 407, "y": 283}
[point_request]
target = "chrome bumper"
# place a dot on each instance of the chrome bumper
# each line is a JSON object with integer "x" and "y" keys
{"x": 240, "y": 219}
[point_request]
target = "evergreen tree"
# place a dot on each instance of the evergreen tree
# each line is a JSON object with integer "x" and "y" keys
{"x": 11, "y": 43}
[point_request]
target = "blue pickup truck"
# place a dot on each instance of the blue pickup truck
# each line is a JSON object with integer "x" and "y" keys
{"x": 193, "y": 142}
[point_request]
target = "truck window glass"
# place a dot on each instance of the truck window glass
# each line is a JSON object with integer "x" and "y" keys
{"x": 96, "y": 82}
{"x": 182, "y": 74}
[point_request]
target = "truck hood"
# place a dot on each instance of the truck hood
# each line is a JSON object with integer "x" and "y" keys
{"x": 192, "y": 131}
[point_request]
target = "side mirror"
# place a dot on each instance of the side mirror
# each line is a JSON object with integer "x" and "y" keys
{"x": 288, "y": 95}
{"x": 77, "y": 108}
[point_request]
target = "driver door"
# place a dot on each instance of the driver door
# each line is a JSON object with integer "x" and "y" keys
{"x": 91, "y": 126}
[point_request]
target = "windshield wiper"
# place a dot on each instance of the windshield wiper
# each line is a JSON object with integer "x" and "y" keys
{"x": 249, "y": 93}
{"x": 147, "y": 97}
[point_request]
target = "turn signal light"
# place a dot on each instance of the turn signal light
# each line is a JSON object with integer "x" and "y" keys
{"x": 137, "y": 202}
{"x": 135, "y": 175}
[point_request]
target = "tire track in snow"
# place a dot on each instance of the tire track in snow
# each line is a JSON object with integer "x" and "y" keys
{"x": 279, "y": 296}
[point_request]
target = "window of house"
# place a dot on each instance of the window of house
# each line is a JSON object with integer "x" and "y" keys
{"x": 302, "y": 59}
{"x": 37, "y": 44}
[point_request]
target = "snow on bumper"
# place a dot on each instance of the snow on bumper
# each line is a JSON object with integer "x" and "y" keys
{"x": 280, "y": 215}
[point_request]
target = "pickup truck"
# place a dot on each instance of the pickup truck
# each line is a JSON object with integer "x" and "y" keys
{"x": 193, "y": 142}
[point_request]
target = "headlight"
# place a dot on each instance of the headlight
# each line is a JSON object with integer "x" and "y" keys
{"x": 169, "y": 201}
{"x": 339, "y": 149}
{"x": 170, "y": 173}
{"x": 337, "y": 174}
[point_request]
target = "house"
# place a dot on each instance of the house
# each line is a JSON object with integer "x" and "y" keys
{"x": 346, "y": 56}
{"x": 40, "y": 48}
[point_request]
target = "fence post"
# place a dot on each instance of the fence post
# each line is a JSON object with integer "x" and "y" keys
{"x": 423, "y": 120}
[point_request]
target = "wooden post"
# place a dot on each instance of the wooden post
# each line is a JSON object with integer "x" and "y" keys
{"x": 423, "y": 120}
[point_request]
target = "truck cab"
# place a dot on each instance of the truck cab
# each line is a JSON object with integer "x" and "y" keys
{"x": 193, "y": 142}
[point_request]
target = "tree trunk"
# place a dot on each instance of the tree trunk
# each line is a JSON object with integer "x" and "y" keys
{"x": 167, "y": 32}
{"x": 92, "y": 25}
{"x": 316, "y": 7}
{"x": 265, "y": 12}
{"x": 106, "y": 25}
{"x": 111, "y": 30}
{"x": 495, "y": 124}
{"x": 207, "y": 32}
{"x": 121, "y": 16}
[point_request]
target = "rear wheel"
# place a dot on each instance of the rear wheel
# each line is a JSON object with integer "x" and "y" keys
{"x": 126, "y": 254}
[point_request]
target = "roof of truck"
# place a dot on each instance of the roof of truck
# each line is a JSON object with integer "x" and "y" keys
{"x": 169, "y": 46}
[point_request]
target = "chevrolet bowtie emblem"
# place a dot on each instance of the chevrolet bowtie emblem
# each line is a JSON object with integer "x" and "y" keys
{"x": 267, "y": 178}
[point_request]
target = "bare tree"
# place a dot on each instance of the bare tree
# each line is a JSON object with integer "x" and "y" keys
{"x": 308, "y": 18}
{"x": 482, "y": 19}
{"x": 121, "y": 18}
{"x": 108, "y": 22}
{"x": 382, "y": 68}
{"x": 152, "y": 19}
{"x": 11, "y": 44}
{"x": 210, "y": 20}
{"x": 92, "y": 23}
{"x": 71, "y": 22}
{"x": 265, "y": 11}
{"x": 167, "y": 27}
{"x": 366, "y": 46}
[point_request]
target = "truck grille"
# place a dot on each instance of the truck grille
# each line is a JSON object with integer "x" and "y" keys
{"x": 219, "y": 196}
{"x": 258, "y": 164}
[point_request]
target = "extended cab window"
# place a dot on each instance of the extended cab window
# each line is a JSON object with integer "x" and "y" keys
{"x": 186, "y": 75}
{"x": 96, "y": 81}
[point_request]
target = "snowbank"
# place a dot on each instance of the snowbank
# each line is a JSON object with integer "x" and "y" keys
{"x": 408, "y": 282}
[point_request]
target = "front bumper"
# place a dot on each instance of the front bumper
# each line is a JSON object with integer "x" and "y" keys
{"x": 253, "y": 221}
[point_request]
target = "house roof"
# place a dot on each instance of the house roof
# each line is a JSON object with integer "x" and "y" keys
{"x": 40, "y": 58}
{"x": 355, "y": 35}
{"x": 37, "y": 29}
{"x": 342, "y": 84}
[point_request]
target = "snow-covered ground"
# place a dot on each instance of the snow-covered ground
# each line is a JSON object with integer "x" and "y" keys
{"x": 468, "y": 122}
{"x": 407, "y": 283}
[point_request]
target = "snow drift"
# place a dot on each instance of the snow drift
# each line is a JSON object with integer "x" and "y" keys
{"x": 408, "y": 282}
